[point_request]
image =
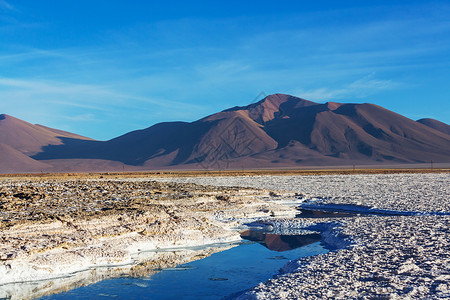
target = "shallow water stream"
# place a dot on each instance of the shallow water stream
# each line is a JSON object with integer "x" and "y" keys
{"x": 252, "y": 261}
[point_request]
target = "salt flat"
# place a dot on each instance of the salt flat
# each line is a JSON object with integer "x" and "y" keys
{"x": 53, "y": 227}
{"x": 405, "y": 257}
{"x": 423, "y": 192}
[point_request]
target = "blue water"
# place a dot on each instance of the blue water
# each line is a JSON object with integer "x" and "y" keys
{"x": 214, "y": 277}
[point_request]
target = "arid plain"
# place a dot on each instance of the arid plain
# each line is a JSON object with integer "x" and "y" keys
{"x": 65, "y": 229}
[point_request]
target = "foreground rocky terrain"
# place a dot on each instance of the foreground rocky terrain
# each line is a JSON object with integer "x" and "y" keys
{"x": 53, "y": 227}
{"x": 394, "y": 241}
{"x": 390, "y": 256}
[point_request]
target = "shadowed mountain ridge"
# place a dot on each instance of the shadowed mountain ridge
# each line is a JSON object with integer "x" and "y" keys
{"x": 438, "y": 125}
{"x": 277, "y": 131}
{"x": 29, "y": 138}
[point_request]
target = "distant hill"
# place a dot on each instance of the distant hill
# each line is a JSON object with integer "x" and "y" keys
{"x": 13, "y": 161}
{"x": 438, "y": 125}
{"x": 277, "y": 132}
{"x": 28, "y": 138}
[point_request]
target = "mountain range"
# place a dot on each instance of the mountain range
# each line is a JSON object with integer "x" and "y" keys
{"x": 280, "y": 131}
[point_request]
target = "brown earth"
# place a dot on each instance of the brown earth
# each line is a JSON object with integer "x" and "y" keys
{"x": 277, "y": 132}
{"x": 29, "y": 138}
{"x": 209, "y": 173}
{"x": 438, "y": 125}
{"x": 280, "y": 131}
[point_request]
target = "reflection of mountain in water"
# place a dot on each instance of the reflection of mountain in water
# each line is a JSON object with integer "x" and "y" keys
{"x": 147, "y": 264}
{"x": 280, "y": 243}
{"x": 311, "y": 213}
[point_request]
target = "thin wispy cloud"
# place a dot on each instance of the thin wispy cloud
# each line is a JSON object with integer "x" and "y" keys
{"x": 31, "y": 88}
{"x": 65, "y": 104}
{"x": 356, "y": 90}
{"x": 83, "y": 92}
{"x": 6, "y": 6}
{"x": 184, "y": 68}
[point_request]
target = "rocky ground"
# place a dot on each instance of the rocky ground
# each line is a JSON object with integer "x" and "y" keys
{"x": 57, "y": 227}
{"x": 114, "y": 221}
{"x": 389, "y": 257}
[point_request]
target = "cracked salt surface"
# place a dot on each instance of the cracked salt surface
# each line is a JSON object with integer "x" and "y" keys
{"x": 57, "y": 228}
{"x": 349, "y": 210}
{"x": 395, "y": 256}
{"x": 403, "y": 192}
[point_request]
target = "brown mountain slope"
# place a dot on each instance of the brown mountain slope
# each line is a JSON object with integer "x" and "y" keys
{"x": 273, "y": 106}
{"x": 438, "y": 125}
{"x": 12, "y": 161}
{"x": 224, "y": 135}
{"x": 363, "y": 132}
{"x": 28, "y": 138}
{"x": 278, "y": 131}
{"x": 227, "y": 135}
{"x": 62, "y": 133}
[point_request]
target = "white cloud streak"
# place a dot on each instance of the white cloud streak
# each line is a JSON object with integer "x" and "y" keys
{"x": 83, "y": 95}
{"x": 358, "y": 89}
{"x": 152, "y": 76}
{"x": 6, "y": 6}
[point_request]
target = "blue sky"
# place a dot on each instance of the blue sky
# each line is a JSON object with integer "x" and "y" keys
{"x": 103, "y": 68}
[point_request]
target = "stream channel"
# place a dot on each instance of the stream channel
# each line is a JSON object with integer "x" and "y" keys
{"x": 214, "y": 271}
{"x": 258, "y": 257}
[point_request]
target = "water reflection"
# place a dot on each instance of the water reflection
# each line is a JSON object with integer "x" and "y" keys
{"x": 146, "y": 264}
{"x": 310, "y": 213}
{"x": 214, "y": 277}
{"x": 279, "y": 242}
{"x": 172, "y": 274}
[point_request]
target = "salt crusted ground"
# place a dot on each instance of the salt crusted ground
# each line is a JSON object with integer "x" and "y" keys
{"x": 390, "y": 257}
{"x": 57, "y": 227}
{"x": 148, "y": 264}
{"x": 111, "y": 221}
